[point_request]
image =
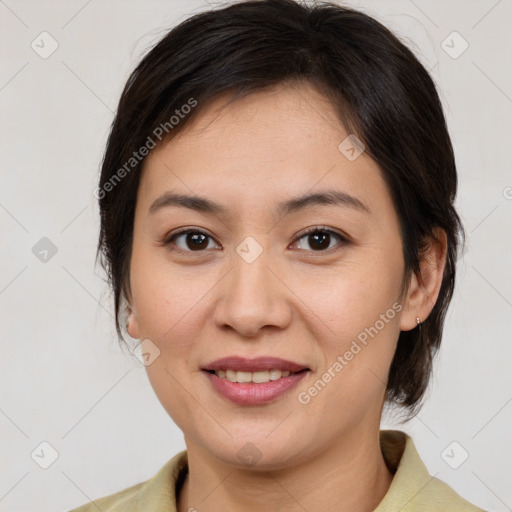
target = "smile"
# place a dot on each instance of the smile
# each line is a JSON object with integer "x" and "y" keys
{"x": 253, "y": 381}
{"x": 254, "y": 377}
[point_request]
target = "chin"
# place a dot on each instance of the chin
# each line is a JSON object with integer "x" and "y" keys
{"x": 257, "y": 451}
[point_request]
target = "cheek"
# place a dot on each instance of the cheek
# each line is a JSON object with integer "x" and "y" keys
{"x": 174, "y": 391}
{"x": 168, "y": 300}
{"x": 351, "y": 297}
{"x": 356, "y": 325}
{"x": 170, "y": 313}
{"x": 357, "y": 351}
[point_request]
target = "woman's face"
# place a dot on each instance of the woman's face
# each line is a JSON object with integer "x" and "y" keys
{"x": 249, "y": 282}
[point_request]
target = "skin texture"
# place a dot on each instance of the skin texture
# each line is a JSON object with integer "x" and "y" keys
{"x": 292, "y": 302}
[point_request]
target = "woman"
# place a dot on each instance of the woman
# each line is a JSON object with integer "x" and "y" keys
{"x": 278, "y": 227}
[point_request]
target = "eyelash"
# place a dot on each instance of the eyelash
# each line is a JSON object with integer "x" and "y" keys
{"x": 168, "y": 241}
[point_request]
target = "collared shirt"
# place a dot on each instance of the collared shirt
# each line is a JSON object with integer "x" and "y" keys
{"x": 412, "y": 489}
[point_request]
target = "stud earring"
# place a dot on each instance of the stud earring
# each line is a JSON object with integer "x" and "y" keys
{"x": 418, "y": 321}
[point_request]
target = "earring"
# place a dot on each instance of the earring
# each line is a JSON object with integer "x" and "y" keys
{"x": 418, "y": 321}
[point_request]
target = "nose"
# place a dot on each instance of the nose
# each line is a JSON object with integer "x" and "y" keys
{"x": 253, "y": 297}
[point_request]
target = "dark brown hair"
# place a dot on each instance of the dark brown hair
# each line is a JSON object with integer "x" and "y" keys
{"x": 381, "y": 91}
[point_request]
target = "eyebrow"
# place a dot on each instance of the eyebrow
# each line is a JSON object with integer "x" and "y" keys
{"x": 204, "y": 205}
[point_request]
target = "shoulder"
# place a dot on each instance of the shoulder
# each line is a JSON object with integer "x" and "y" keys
{"x": 156, "y": 494}
{"x": 413, "y": 488}
{"x": 441, "y": 497}
{"x": 122, "y": 501}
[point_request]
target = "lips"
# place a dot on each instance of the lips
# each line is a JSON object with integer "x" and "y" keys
{"x": 259, "y": 364}
{"x": 254, "y": 381}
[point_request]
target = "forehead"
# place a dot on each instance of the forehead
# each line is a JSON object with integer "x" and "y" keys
{"x": 281, "y": 142}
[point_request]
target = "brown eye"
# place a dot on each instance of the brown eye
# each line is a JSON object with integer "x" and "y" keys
{"x": 190, "y": 240}
{"x": 321, "y": 240}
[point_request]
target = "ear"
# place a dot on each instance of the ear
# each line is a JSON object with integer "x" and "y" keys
{"x": 132, "y": 324}
{"x": 424, "y": 286}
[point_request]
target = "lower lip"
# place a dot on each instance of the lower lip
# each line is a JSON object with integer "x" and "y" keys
{"x": 249, "y": 393}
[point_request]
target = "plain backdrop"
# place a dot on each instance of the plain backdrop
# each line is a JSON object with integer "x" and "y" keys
{"x": 65, "y": 382}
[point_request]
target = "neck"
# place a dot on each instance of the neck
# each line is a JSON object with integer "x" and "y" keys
{"x": 350, "y": 476}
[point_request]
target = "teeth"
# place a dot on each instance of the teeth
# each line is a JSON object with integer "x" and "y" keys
{"x": 256, "y": 377}
{"x": 277, "y": 374}
{"x": 243, "y": 376}
{"x": 260, "y": 377}
{"x": 274, "y": 374}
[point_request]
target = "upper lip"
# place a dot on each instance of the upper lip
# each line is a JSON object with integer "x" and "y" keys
{"x": 257, "y": 364}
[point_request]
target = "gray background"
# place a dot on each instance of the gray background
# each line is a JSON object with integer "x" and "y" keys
{"x": 64, "y": 380}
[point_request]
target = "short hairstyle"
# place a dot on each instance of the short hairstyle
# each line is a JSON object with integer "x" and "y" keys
{"x": 380, "y": 91}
